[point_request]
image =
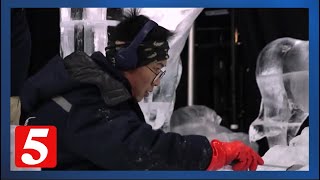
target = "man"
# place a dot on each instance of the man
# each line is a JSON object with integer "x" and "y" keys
{"x": 93, "y": 103}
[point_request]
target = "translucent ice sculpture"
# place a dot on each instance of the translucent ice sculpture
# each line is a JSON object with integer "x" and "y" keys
{"x": 83, "y": 29}
{"x": 201, "y": 120}
{"x": 158, "y": 107}
{"x": 282, "y": 74}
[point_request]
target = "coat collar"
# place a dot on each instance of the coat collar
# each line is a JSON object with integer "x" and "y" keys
{"x": 96, "y": 70}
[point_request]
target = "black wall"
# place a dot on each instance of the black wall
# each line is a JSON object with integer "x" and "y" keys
{"x": 44, "y": 26}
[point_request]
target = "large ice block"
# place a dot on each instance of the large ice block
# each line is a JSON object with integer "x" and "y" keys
{"x": 178, "y": 20}
{"x": 282, "y": 75}
{"x": 297, "y": 152}
{"x": 201, "y": 120}
{"x": 83, "y": 29}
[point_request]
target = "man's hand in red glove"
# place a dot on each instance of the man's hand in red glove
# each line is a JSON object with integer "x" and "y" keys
{"x": 241, "y": 156}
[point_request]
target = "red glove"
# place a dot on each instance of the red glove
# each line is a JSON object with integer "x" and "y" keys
{"x": 240, "y": 155}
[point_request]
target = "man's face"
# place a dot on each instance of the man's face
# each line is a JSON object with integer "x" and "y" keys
{"x": 143, "y": 79}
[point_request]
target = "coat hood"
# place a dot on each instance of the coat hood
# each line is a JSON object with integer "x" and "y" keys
{"x": 63, "y": 75}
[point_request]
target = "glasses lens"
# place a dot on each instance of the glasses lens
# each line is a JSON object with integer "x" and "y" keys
{"x": 159, "y": 76}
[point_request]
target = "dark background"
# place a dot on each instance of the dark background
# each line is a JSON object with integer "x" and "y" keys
{"x": 214, "y": 74}
{"x": 215, "y": 50}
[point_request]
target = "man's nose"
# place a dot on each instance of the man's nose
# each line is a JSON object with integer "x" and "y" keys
{"x": 156, "y": 82}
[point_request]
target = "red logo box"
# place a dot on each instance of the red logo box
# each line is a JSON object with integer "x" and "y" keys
{"x": 36, "y": 146}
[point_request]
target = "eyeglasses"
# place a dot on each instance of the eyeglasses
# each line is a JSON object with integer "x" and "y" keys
{"x": 158, "y": 75}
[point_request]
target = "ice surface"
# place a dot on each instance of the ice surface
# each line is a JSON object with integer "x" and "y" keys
{"x": 156, "y": 113}
{"x": 282, "y": 74}
{"x": 201, "y": 120}
{"x": 296, "y": 153}
{"x": 194, "y": 114}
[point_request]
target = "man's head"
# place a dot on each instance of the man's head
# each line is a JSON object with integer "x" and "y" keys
{"x": 144, "y": 78}
{"x": 152, "y": 53}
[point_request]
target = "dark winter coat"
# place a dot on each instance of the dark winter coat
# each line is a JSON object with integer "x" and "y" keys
{"x": 99, "y": 124}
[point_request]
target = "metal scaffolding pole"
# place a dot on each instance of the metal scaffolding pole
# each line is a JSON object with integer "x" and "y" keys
{"x": 191, "y": 66}
{"x": 234, "y": 125}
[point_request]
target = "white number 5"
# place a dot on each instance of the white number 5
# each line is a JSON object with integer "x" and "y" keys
{"x": 36, "y": 145}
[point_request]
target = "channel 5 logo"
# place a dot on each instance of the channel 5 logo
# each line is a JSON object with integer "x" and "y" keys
{"x": 36, "y": 146}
